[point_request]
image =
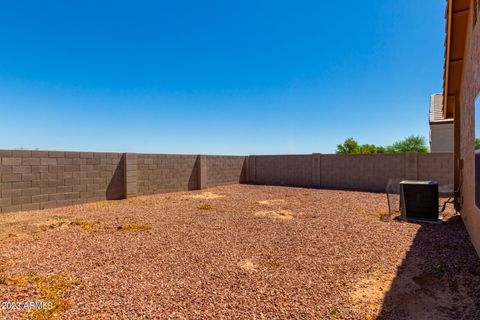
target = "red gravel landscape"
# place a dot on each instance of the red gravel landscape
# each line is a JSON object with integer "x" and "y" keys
{"x": 238, "y": 251}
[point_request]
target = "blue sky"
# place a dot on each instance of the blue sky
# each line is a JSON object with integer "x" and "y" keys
{"x": 217, "y": 77}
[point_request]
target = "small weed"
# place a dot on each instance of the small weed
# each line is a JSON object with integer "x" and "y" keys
{"x": 380, "y": 214}
{"x": 440, "y": 268}
{"x": 384, "y": 216}
{"x": 134, "y": 227}
{"x": 273, "y": 264}
{"x": 333, "y": 314}
{"x": 361, "y": 211}
{"x": 16, "y": 281}
{"x": 205, "y": 207}
{"x": 19, "y": 226}
{"x": 84, "y": 224}
{"x": 52, "y": 224}
{"x": 284, "y": 214}
{"x": 52, "y": 288}
{"x": 307, "y": 215}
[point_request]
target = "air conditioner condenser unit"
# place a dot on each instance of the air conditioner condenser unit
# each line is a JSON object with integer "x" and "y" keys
{"x": 419, "y": 201}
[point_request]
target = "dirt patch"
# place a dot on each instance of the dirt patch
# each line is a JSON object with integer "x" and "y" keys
{"x": 369, "y": 292}
{"x": 104, "y": 204}
{"x": 278, "y": 214}
{"x": 204, "y": 195}
{"x": 429, "y": 295}
{"x": 272, "y": 202}
{"x": 247, "y": 265}
{"x": 146, "y": 202}
{"x": 413, "y": 295}
{"x": 50, "y": 288}
{"x": 100, "y": 204}
{"x": 132, "y": 227}
{"x": 29, "y": 225}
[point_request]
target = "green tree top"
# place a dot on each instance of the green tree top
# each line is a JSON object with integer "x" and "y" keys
{"x": 350, "y": 146}
{"x": 409, "y": 144}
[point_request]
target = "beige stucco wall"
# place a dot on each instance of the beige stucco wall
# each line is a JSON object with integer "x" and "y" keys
{"x": 441, "y": 137}
{"x": 470, "y": 89}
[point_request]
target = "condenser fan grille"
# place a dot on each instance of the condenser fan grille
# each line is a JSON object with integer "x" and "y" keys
{"x": 419, "y": 200}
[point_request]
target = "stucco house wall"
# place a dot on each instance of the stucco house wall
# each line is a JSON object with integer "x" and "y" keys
{"x": 465, "y": 159}
{"x": 441, "y": 137}
{"x": 442, "y": 131}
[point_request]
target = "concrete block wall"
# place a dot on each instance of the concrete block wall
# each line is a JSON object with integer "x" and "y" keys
{"x": 222, "y": 170}
{"x": 32, "y": 180}
{"x": 46, "y": 179}
{"x": 438, "y": 167}
{"x": 366, "y": 172}
{"x": 283, "y": 170}
{"x": 156, "y": 173}
{"x": 167, "y": 173}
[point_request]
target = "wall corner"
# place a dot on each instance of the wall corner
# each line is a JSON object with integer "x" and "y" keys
{"x": 251, "y": 178}
{"x": 245, "y": 171}
{"x": 202, "y": 172}
{"x": 316, "y": 170}
{"x": 131, "y": 179}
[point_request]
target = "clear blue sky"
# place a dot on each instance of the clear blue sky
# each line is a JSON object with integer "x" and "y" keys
{"x": 217, "y": 77}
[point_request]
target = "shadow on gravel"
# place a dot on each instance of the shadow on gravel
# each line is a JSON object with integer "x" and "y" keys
{"x": 438, "y": 279}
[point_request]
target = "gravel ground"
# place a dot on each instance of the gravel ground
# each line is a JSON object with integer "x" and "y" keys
{"x": 238, "y": 251}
